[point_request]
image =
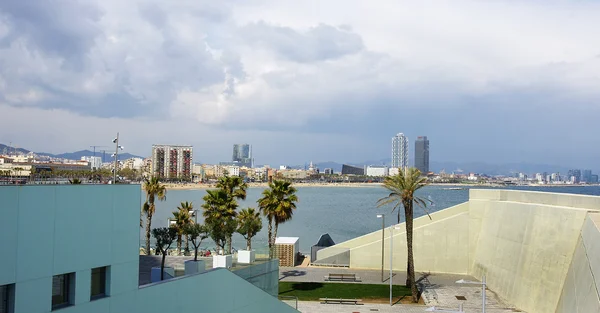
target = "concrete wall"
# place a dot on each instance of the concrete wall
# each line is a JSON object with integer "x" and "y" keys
{"x": 580, "y": 291}
{"x": 525, "y": 244}
{"x": 51, "y": 230}
{"x": 522, "y": 241}
{"x": 440, "y": 244}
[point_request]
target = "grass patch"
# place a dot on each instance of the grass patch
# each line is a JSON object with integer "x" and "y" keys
{"x": 314, "y": 291}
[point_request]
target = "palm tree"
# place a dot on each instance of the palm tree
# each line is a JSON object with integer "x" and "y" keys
{"x": 402, "y": 189}
{"x": 277, "y": 204}
{"x": 75, "y": 181}
{"x": 182, "y": 218}
{"x": 154, "y": 189}
{"x": 219, "y": 214}
{"x": 249, "y": 224}
{"x": 235, "y": 188}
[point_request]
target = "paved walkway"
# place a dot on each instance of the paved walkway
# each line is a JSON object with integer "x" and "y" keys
{"x": 440, "y": 290}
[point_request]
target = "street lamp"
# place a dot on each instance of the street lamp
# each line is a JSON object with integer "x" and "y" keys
{"x": 116, "y": 156}
{"x": 382, "y": 217}
{"x": 396, "y": 227}
{"x": 194, "y": 213}
{"x": 483, "y": 286}
{"x": 433, "y": 309}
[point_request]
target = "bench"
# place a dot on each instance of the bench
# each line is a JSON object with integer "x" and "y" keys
{"x": 340, "y": 300}
{"x": 342, "y": 277}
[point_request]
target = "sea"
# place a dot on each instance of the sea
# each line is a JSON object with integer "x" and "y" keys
{"x": 342, "y": 212}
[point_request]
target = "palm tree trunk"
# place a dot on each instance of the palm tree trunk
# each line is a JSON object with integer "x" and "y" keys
{"x": 270, "y": 230}
{"x": 249, "y": 243}
{"x": 275, "y": 237}
{"x": 229, "y": 243}
{"x": 187, "y": 245}
{"x": 409, "y": 244}
{"x": 178, "y": 244}
{"x": 148, "y": 225}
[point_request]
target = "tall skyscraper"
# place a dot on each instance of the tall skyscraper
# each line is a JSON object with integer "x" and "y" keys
{"x": 242, "y": 154}
{"x": 422, "y": 154}
{"x": 400, "y": 151}
{"x": 172, "y": 161}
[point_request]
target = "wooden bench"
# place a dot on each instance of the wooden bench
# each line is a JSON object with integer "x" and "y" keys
{"x": 342, "y": 277}
{"x": 340, "y": 301}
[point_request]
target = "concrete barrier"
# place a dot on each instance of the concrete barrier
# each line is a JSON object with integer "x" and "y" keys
{"x": 524, "y": 242}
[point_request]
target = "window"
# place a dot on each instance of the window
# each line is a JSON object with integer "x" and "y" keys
{"x": 63, "y": 290}
{"x": 98, "y": 283}
{"x": 7, "y": 299}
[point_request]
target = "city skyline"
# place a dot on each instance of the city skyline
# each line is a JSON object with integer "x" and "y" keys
{"x": 301, "y": 86}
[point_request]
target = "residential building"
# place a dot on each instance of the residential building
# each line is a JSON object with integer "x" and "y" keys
{"x": 422, "y": 154}
{"x": 5, "y": 160}
{"x": 133, "y": 163}
{"x": 172, "y": 162}
{"x": 400, "y": 151}
{"x": 94, "y": 162}
{"x": 328, "y": 171}
{"x": 377, "y": 170}
{"x": 393, "y": 171}
{"x": 242, "y": 154}
{"x": 294, "y": 174}
{"x": 233, "y": 170}
{"x": 594, "y": 179}
{"x": 86, "y": 259}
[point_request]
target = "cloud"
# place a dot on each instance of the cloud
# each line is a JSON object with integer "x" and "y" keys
{"x": 342, "y": 70}
{"x": 322, "y": 42}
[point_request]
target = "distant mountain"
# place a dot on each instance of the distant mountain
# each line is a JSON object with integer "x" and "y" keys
{"x": 78, "y": 154}
{"x": 4, "y": 149}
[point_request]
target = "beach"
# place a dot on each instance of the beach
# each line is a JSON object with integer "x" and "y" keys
{"x": 191, "y": 186}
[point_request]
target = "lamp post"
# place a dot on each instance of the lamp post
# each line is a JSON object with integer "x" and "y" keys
{"x": 433, "y": 309}
{"x": 392, "y": 258}
{"x": 382, "y": 217}
{"x": 116, "y": 155}
{"x": 483, "y": 286}
{"x": 194, "y": 213}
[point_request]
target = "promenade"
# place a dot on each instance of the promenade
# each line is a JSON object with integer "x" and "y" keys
{"x": 440, "y": 290}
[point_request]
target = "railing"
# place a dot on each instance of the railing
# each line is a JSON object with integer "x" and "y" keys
{"x": 290, "y": 300}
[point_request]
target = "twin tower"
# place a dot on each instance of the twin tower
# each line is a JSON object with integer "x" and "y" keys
{"x": 400, "y": 152}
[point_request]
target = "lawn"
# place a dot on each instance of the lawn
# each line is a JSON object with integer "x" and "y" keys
{"x": 314, "y": 291}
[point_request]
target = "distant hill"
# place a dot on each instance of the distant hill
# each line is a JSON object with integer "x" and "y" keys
{"x": 78, "y": 154}
{"x": 4, "y": 149}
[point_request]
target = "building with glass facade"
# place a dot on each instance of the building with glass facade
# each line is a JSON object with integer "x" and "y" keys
{"x": 422, "y": 154}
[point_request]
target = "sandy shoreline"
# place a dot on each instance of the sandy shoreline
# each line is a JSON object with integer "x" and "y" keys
{"x": 265, "y": 185}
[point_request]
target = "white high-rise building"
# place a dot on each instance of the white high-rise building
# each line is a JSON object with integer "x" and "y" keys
{"x": 400, "y": 151}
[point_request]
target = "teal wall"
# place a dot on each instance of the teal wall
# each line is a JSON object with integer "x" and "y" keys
{"x": 51, "y": 230}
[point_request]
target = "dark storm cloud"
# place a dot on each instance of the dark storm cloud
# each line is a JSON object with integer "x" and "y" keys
{"x": 66, "y": 28}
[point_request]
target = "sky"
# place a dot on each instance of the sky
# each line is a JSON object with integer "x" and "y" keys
{"x": 489, "y": 81}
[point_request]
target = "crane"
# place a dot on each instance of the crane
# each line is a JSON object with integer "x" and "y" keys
{"x": 94, "y": 147}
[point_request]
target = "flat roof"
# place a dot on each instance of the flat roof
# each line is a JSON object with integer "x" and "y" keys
{"x": 286, "y": 240}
